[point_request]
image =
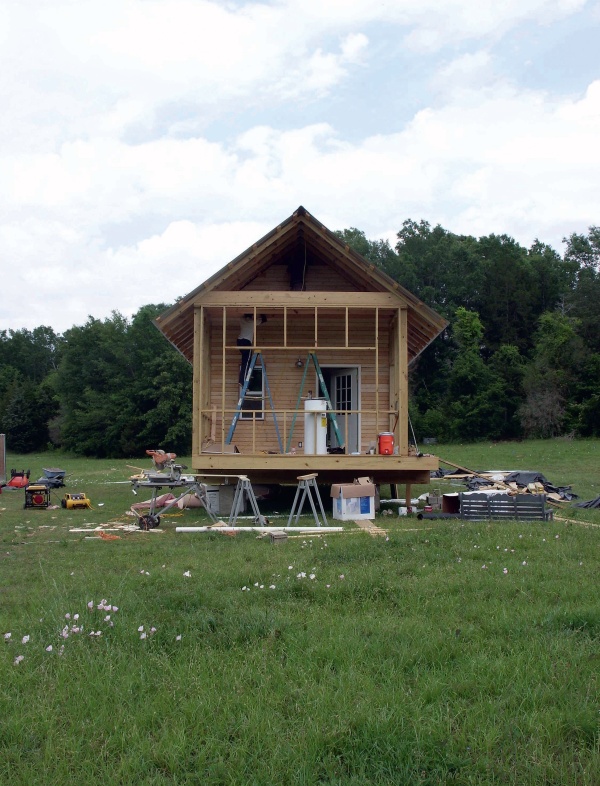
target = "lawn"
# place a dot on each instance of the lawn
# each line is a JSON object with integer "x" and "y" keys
{"x": 446, "y": 653}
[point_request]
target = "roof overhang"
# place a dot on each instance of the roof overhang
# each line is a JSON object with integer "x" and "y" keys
{"x": 177, "y": 323}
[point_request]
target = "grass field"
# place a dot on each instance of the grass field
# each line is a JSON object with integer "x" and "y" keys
{"x": 448, "y": 653}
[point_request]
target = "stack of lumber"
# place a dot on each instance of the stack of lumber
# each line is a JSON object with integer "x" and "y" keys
{"x": 509, "y": 482}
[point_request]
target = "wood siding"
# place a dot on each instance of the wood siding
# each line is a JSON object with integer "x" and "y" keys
{"x": 318, "y": 278}
{"x": 361, "y": 339}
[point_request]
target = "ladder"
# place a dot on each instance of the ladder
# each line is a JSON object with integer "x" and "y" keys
{"x": 330, "y": 413}
{"x": 238, "y": 411}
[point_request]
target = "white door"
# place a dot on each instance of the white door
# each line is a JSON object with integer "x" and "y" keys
{"x": 343, "y": 392}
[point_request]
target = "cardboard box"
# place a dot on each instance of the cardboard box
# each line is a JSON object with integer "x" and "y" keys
{"x": 354, "y": 501}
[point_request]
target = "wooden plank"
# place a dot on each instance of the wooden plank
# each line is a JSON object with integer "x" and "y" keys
{"x": 402, "y": 361}
{"x": 370, "y": 527}
{"x": 470, "y": 472}
{"x": 377, "y": 371}
{"x": 197, "y": 381}
{"x": 266, "y": 299}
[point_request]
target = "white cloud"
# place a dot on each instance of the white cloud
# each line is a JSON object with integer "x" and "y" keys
{"x": 113, "y": 179}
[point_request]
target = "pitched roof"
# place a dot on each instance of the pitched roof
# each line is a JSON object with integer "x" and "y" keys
{"x": 322, "y": 246}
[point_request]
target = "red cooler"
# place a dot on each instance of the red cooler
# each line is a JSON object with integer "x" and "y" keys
{"x": 386, "y": 443}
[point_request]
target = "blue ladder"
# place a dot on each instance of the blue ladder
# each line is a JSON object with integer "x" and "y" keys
{"x": 238, "y": 410}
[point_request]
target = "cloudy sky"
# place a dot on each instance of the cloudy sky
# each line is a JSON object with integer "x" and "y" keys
{"x": 145, "y": 143}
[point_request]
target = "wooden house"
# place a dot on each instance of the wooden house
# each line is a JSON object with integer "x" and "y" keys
{"x": 330, "y": 316}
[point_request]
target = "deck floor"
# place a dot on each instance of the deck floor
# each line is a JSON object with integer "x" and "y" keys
{"x": 276, "y": 468}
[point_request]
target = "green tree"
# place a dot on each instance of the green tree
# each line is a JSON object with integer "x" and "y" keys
{"x": 583, "y": 252}
{"x": 441, "y": 268}
{"x": 551, "y": 376}
{"x": 26, "y": 410}
{"x": 123, "y": 388}
{"x": 377, "y": 251}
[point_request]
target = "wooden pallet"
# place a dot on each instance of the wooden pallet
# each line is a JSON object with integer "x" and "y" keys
{"x": 498, "y": 507}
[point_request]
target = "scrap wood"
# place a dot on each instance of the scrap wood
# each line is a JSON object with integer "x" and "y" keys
{"x": 368, "y": 526}
{"x": 470, "y": 471}
{"x": 227, "y": 528}
{"x": 114, "y": 528}
{"x": 576, "y": 521}
{"x": 159, "y": 502}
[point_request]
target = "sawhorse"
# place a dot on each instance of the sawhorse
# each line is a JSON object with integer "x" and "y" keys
{"x": 245, "y": 487}
{"x": 306, "y": 487}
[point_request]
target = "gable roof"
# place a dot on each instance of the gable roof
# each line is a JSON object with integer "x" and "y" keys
{"x": 322, "y": 247}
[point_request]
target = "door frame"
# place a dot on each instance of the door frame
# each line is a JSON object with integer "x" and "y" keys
{"x": 354, "y": 368}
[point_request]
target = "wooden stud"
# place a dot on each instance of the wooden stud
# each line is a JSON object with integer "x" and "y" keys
{"x": 197, "y": 383}
{"x": 402, "y": 362}
{"x": 223, "y": 375}
{"x": 377, "y": 371}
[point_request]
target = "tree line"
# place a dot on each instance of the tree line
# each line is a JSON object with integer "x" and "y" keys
{"x": 520, "y": 358}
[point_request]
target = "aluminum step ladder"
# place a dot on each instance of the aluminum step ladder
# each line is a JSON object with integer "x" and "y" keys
{"x": 238, "y": 411}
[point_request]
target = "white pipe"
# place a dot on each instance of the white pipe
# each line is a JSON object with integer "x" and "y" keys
{"x": 301, "y": 530}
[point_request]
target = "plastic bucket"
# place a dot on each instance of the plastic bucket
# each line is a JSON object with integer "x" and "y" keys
{"x": 386, "y": 443}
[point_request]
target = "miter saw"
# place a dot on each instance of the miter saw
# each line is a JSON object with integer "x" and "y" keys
{"x": 165, "y": 473}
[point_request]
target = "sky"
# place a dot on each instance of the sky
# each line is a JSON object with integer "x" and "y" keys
{"x": 146, "y": 143}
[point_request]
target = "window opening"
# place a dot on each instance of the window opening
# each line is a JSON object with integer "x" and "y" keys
{"x": 253, "y": 403}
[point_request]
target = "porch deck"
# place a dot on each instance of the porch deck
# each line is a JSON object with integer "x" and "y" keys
{"x": 336, "y": 468}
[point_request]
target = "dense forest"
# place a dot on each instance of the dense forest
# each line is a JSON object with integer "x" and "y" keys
{"x": 520, "y": 358}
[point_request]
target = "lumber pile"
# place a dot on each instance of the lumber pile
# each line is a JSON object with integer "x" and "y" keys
{"x": 512, "y": 483}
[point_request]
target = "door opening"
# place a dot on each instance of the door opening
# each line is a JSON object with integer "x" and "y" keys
{"x": 343, "y": 389}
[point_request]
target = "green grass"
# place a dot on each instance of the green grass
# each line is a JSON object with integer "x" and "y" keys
{"x": 419, "y": 666}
